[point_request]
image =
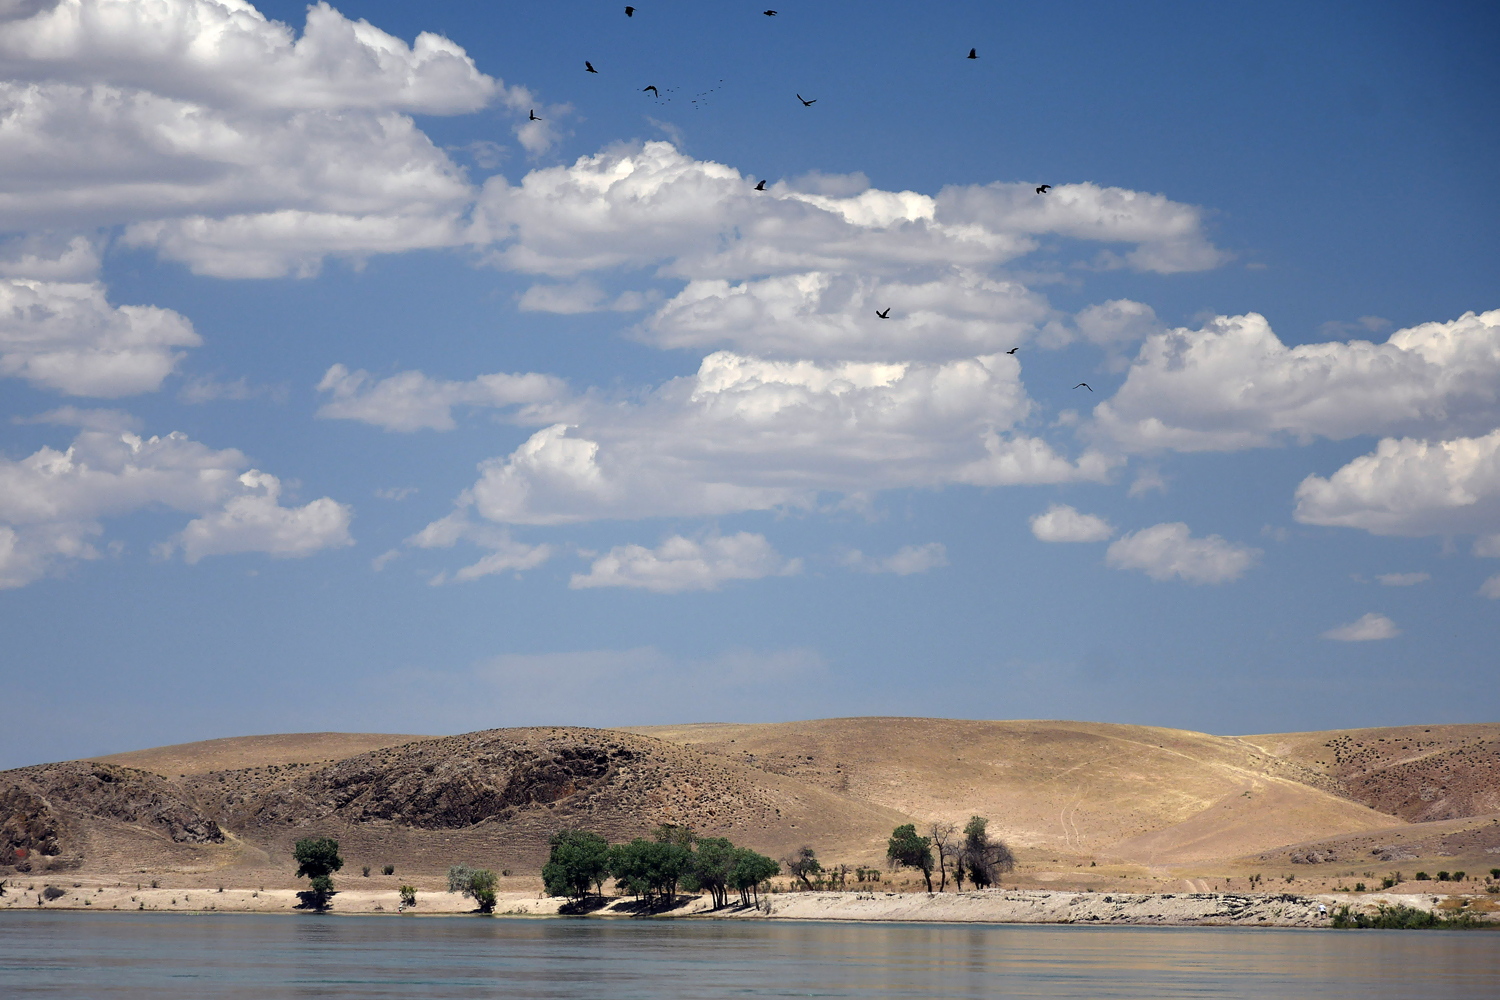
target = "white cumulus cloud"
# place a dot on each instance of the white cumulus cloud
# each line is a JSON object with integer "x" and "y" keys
{"x": 53, "y": 503}
{"x": 1164, "y": 551}
{"x": 66, "y": 336}
{"x": 1233, "y": 384}
{"x": 680, "y": 564}
{"x": 226, "y": 140}
{"x": 1061, "y": 523}
{"x": 1368, "y": 628}
{"x": 505, "y": 553}
{"x": 1411, "y": 487}
{"x": 746, "y": 433}
{"x": 1491, "y": 587}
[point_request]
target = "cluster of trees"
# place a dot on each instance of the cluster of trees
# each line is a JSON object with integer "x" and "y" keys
{"x": 974, "y": 855}
{"x": 580, "y": 862}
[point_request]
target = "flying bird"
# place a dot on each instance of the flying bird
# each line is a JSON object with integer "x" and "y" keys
{"x": 761, "y": 186}
{"x": 533, "y": 116}
{"x": 769, "y": 13}
{"x": 973, "y": 54}
{"x": 1084, "y": 385}
{"x": 1044, "y": 189}
{"x": 589, "y": 66}
{"x": 884, "y": 315}
{"x": 1014, "y": 350}
{"x": 807, "y": 104}
{"x": 630, "y": 12}
{"x": 652, "y": 89}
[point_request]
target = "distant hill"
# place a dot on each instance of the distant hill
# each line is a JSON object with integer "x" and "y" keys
{"x": 1069, "y": 797}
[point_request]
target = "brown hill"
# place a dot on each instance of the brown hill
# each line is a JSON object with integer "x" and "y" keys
{"x": 1089, "y": 790}
{"x": 1071, "y": 795}
{"x": 1419, "y": 773}
{"x": 488, "y": 798}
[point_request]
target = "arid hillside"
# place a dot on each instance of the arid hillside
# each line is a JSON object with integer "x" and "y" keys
{"x": 1079, "y": 802}
{"x": 1082, "y": 789}
{"x": 1419, "y": 773}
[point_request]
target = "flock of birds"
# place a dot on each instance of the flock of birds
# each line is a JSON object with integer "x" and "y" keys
{"x": 654, "y": 91}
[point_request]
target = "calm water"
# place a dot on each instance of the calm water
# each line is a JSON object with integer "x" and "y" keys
{"x": 79, "y": 955}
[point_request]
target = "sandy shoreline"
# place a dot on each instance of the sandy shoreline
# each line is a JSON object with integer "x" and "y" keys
{"x": 1000, "y": 906}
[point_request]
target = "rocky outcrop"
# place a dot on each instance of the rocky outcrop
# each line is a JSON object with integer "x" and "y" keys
{"x": 45, "y": 796}
{"x": 27, "y": 826}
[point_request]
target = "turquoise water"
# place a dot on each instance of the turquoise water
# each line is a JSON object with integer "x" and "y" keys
{"x": 178, "y": 957}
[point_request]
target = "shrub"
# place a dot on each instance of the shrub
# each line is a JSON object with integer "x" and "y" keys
{"x": 1423, "y": 877}
{"x": 408, "y": 895}
{"x": 1359, "y": 887}
{"x": 1442, "y": 876}
{"x": 1459, "y": 876}
{"x": 388, "y": 870}
{"x": 1495, "y": 873}
{"x": 365, "y": 871}
{"x": 53, "y": 892}
{"x": 458, "y": 877}
{"x": 1400, "y": 918}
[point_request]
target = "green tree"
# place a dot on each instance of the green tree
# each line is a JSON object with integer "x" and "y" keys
{"x": 908, "y": 849}
{"x": 713, "y": 864}
{"x": 481, "y": 889}
{"x": 578, "y": 862}
{"x": 750, "y": 871}
{"x": 985, "y": 856}
{"x": 318, "y": 858}
{"x": 458, "y": 877}
{"x": 804, "y": 864}
{"x": 650, "y": 869}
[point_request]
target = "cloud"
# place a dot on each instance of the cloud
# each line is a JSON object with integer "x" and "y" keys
{"x": 66, "y": 336}
{"x": 52, "y": 502}
{"x": 1061, "y": 523}
{"x": 1491, "y": 587}
{"x": 411, "y": 401}
{"x": 225, "y": 140}
{"x": 228, "y": 54}
{"x": 505, "y": 553}
{"x": 1164, "y": 551}
{"x": 1147, "y": 480}
{"x": 1118, "y": 322}
{"x": 46, "y": 257}
{"x": 650, "y": 205}
{"x": 829, "y": 315}
{"x": 582, "y": 296}
{"x": 1368, "y": 628}
{"x": 680, "y": 564}
{"x": 746, "y": 433}
{"x": 396, "y": 493}
{"x": 904, "y": 561}
{"x": 207, "y": 389}
{"x": 1402, "y": 579}
{"x": 1234, "y": 384}
{"x": 254, "y": 521}
{"x": 1411, "y": 487}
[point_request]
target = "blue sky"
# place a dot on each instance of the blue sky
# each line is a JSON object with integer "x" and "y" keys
{"x": 337, "y": 394}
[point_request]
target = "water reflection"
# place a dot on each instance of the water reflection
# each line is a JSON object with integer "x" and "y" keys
{"x": 177, "y": 957}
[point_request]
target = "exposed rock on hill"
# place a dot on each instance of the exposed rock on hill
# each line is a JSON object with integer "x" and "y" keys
{"x": 44, "y": 805}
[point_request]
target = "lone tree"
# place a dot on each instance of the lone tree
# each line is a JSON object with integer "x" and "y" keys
{"x": 985, "y": 857}
{"x": 803, "y": 864}
{"x": 318, "y": 858}
{"x": 579, "y": 861}
{"x": 909, "y": 850}
{"x": 481, "y": 889}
